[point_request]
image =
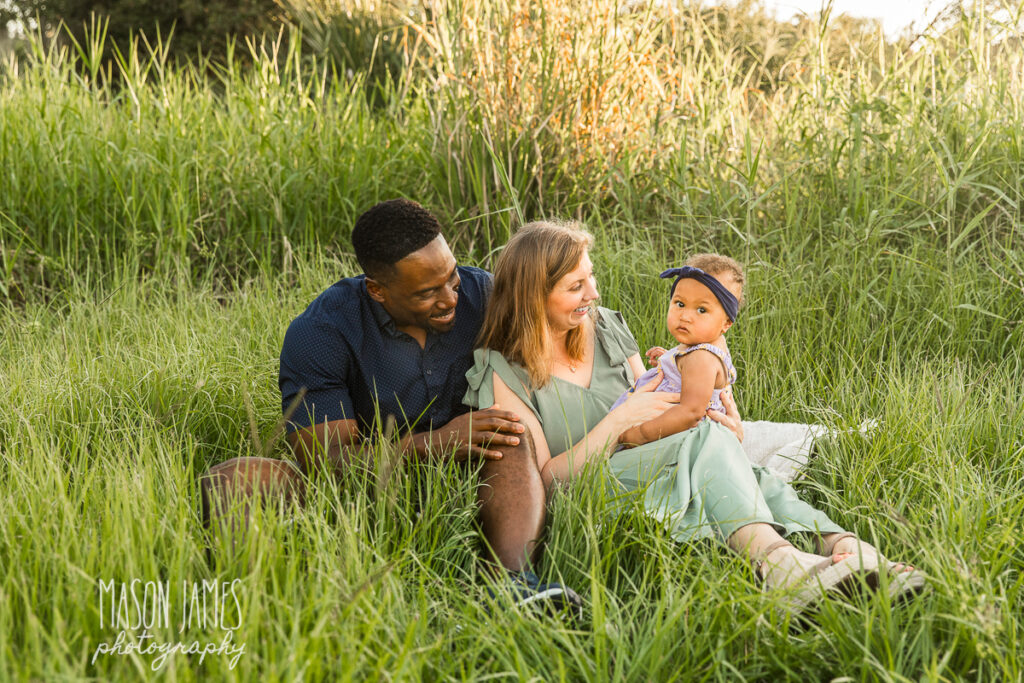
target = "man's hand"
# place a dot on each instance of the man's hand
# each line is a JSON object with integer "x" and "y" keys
{"x": 731, "y": 417}
{"x": 475, "y": 434}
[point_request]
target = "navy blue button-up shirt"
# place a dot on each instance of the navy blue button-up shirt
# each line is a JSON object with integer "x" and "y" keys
{"x": 348, "y": 354}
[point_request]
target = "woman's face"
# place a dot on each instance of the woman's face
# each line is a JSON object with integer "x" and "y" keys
{"x": 570, "y": 301}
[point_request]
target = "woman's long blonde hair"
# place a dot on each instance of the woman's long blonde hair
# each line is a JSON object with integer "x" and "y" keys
{"x": 531, "y": 264}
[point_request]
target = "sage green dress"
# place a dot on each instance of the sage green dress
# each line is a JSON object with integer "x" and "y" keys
{"x": 699, "y": 482}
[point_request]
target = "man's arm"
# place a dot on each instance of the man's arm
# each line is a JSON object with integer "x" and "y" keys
{"x": 314, "y": 390}
{"x": 474, "y": 434}
{"x": 333, "y": 444}
{"x": 329, "y": 445}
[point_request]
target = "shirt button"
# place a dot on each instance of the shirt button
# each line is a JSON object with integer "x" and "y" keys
{"x": 429, "y": 371}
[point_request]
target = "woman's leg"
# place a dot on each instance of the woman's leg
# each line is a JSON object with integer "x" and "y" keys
{"x": 788, "y": 509}
{"x": 744, "y": 514}
{"x": 724, "y": 483}
{"x": 798, "y": 515}
{"x": 787, "y": 564}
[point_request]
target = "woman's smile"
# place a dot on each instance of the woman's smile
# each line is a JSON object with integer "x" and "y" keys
{"x": 572, "y": 298}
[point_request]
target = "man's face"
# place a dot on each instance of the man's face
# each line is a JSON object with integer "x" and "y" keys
{"x": 422, "y": 289}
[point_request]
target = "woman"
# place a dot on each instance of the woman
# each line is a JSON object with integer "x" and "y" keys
{"x": 549, "y": 355}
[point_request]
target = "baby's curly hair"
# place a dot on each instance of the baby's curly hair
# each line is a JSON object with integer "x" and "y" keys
{"x": 389, "y": 231}
{"x": 717, "y": 265}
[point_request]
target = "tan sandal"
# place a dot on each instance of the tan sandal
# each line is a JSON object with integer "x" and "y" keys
{"x": 807, "y": 587}
{"x": 900, "y": 585}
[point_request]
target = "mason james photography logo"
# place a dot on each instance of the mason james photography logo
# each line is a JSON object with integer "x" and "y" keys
{"x": 136, "y": 608}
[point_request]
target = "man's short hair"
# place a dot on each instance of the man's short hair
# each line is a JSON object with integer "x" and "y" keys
{"x": 389, "y": 231}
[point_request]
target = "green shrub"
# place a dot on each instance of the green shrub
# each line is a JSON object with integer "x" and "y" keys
{"x": 199, "y": 27}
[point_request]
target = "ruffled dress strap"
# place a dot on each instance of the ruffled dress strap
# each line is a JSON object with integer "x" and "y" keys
{"x": 487, "y": 362}
{"x": 723, "y": 355}
{"x": 615, "y": 338}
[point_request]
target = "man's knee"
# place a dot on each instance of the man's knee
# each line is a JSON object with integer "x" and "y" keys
{"x": 242, "y": 481}
{"x": 524, "y": 453}
{"x": 516, "y": 471}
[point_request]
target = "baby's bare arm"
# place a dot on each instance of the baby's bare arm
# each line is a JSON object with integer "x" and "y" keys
{"x": 700, "y": 372}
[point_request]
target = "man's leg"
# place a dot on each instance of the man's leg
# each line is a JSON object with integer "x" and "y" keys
{"x": 229, "y": 489}
{"x": 512, "y": 505}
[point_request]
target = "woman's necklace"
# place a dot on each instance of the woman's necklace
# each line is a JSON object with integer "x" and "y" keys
{"x": 571, "y": 364}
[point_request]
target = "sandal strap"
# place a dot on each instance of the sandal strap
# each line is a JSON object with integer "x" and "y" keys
{"x": 798, "y": 577}
{"x": 759, "y": 559}
{"x": 823, "y": 549}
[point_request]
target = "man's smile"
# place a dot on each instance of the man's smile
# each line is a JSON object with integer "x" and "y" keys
{"x": 445, "y": 317}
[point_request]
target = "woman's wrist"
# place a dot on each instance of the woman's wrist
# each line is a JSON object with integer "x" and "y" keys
{"x": 620, "y": 420}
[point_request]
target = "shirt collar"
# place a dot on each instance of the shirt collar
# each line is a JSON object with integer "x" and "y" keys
{"x": 384, "y": 320}
{"x": 387, "y": 323}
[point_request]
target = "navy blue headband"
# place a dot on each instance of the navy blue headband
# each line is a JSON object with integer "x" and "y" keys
{"x": 724, "y": 296}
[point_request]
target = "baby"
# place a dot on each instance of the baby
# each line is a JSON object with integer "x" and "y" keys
{"x": 704, "y": 300}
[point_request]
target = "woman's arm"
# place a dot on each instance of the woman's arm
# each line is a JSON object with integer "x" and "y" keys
{"x": 563, "y": 465}
{"x": 504, "y": 397}
{"x": 636, "y": 366}
{"x": 700, "y": 371}
{"x": 641, "y": 406}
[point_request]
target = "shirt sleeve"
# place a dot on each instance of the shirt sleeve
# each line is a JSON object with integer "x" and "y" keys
{"x": 316, "y": 358}
{"x": 615, "y": 337}
{"x": 480, "y": 377}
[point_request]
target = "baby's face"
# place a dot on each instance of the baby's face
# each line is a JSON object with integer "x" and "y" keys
{"x": 694, "y": 314}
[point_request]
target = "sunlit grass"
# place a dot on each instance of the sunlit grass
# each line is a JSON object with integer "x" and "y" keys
{"x": 502, "y": 114}
{"x": 117, "y": 402}
{"x": 159, "y": 228}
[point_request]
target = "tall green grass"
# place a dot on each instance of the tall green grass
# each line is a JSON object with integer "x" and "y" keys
{"x": 115, "y": 405}
{"x": 159, "y": 227}
{"x": 503, "y": 114}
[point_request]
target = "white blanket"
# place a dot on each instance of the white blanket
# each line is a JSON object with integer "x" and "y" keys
{"x": 783, "y": 447}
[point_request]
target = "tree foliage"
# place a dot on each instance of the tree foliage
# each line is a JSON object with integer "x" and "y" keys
{"x": 198, "y": 26}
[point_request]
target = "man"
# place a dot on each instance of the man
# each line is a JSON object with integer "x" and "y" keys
{"x": 397, "y": 341}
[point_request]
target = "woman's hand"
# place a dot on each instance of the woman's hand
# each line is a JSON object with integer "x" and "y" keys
{"x": 653, "y": 354}
{"x": 645, "y": 403}
{"x": 731, "y": 417}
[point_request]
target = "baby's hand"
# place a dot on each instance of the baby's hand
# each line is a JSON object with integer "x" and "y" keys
{"x": 653, "y": 354}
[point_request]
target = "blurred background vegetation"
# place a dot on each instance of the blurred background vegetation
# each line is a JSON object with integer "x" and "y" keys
{"x": 219, "y": 138}
{"x": 199, "y": 27}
